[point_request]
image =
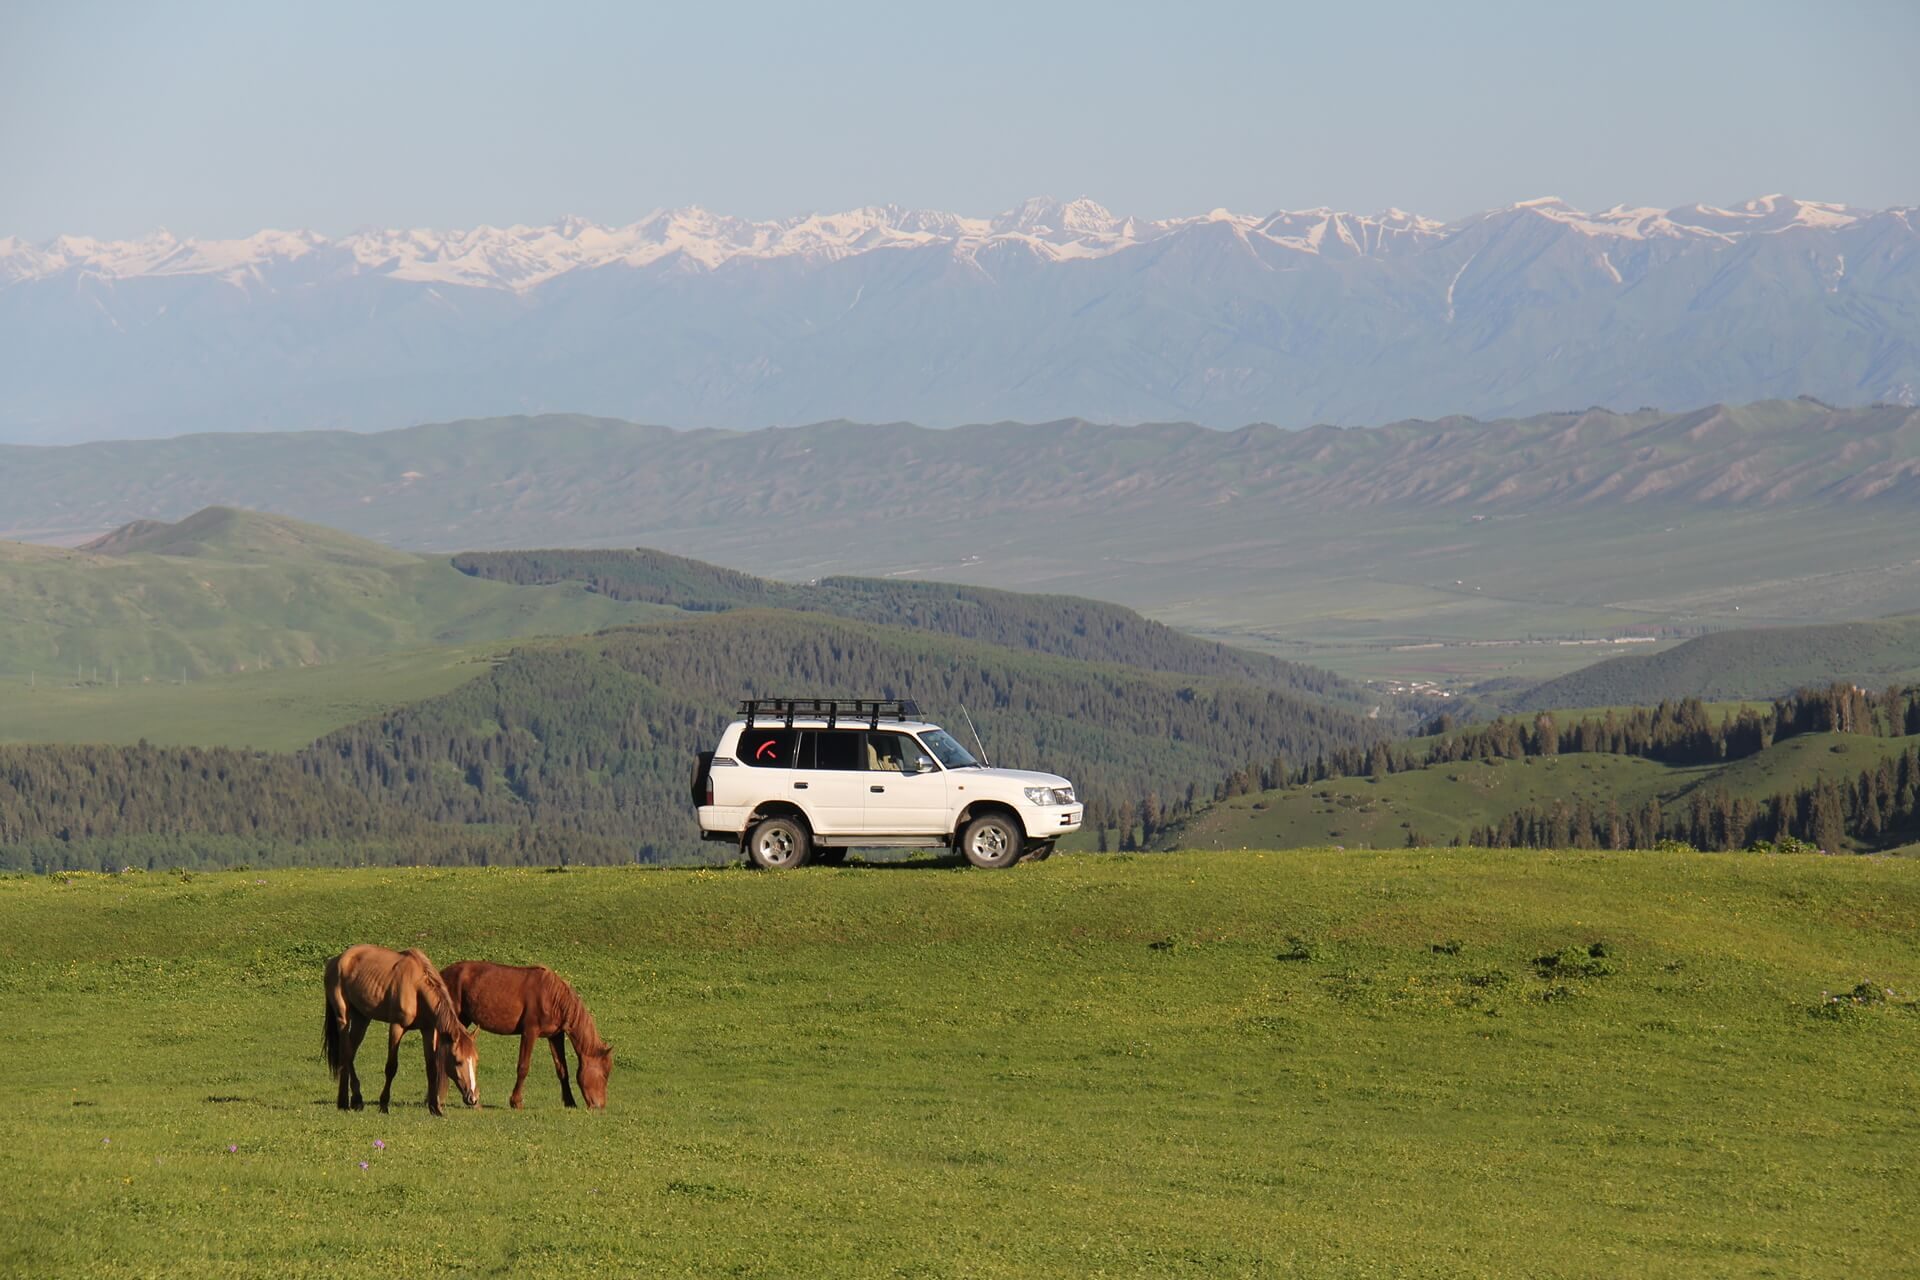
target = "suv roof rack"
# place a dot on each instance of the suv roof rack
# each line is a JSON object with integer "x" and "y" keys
{"x": 870, "y": 710}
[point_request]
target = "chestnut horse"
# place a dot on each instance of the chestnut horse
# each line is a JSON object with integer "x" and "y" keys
{"x": 533, "y": 1003}
{"x": 403, "y": 989}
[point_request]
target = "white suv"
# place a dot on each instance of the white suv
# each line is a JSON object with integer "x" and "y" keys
{"x": 800, "y": 780}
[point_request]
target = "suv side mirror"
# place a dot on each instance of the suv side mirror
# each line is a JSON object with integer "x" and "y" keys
{"x": 916, "y": 764}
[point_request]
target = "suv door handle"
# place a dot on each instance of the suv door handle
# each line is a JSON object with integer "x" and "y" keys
{"x": 799, "y": 786}
{"x": 876, "y": 789}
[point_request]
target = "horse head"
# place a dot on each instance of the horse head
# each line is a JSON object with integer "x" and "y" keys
{"x": 594, "y": 1069}
{"x": 460, "y": 1058}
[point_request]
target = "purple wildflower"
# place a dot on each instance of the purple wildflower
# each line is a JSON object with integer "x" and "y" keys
{"x": 232, "y": 1148}
{"x": 106, "y": 1142}
{"x": 379, "y": 1145}
{"x": 363, "y": 1164}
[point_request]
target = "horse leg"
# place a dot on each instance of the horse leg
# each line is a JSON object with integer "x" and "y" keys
{"x": 436, "y": 1079}
{"x": 339, "y": 1055}
{"x": 394, "y": 1032}
{"x": 355, "y": 1034}
{"x": 526, "y": 1060}
{"x": 345, "y": 1073}
{"x": 558, "y": 1043}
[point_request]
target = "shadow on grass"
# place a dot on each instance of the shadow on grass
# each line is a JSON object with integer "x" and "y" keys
{"x": 938, "y": 862}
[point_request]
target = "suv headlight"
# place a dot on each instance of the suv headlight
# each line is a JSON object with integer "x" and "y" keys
{"x": 1050, "y": 795}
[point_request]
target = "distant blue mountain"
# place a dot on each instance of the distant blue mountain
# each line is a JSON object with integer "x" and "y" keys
{"x": 1048, "y": 311}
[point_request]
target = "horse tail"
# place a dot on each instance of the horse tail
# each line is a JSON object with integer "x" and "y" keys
{"x": 332, "y": 1032}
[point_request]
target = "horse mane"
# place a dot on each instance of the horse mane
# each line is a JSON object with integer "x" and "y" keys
{"x": 574, "y": 1018}
{"x": 445, "y": 1015}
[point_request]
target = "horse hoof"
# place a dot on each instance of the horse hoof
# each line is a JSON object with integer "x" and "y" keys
{"x": 359, "y": 1105}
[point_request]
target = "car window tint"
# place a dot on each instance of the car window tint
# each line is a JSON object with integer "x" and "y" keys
{"x": 766, "y": 748}
{"x": 839, "y": 749}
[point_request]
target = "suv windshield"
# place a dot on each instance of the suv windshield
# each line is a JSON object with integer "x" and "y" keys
{"x": 947, "y": 751}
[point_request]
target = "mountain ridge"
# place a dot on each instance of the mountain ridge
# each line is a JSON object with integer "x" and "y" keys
{"x": 1050, "y": 311}
{"x": 522, "y": 256}
{"x": 1552, "y": 527}
{"x": 602, "y": 480}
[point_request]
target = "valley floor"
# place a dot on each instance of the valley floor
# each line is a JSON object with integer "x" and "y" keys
{"x": 1408, "y": 1063}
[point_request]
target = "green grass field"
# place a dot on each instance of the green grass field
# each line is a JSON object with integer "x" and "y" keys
{"x": 1301, "y": 1064}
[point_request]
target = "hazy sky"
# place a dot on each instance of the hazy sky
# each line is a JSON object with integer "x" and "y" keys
{"x": 218, "y": 119}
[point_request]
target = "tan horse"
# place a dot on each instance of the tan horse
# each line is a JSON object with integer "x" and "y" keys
{"x": 403, "y": 989}
{"x": 533, "y": 1003}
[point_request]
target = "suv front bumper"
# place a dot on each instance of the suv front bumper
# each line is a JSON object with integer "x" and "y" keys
{"x": 1050, "y": 822}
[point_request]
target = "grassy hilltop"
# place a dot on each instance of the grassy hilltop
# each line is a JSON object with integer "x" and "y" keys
{"x": 1416, "y": 1063}
{"x": 225, "y": 592}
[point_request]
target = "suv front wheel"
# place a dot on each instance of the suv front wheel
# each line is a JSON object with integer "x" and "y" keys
{"x": 991, "y": 840}
{"x": 779, "y": 844}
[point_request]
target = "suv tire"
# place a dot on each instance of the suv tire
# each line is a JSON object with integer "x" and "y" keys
{"x": 1038, "y": 852}
{"x": 991, "y": 841}
{"x": 778, "y": 844}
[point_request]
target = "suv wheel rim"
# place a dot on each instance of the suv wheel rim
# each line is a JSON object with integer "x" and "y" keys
{"x": 777, "y": 846}
{"x": 990, "y": 842}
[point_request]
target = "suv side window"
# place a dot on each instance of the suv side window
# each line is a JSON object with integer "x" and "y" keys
{"x": 896, "y": 753}
{"x": 767, "y": 748}
{"x": 838, "y": 749}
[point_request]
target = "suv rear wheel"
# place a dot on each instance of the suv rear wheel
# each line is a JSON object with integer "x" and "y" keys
{"x": 991, "y": 840}
{"x": 779, "y": 844}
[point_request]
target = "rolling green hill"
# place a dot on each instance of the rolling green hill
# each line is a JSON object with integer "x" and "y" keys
{"x": 1439, "y": 803}
{"x": 1482, "y": 543}
{"x": 1760, "y": 663}
{"x": 1453, "y": 801}
{"x": 236, "y": 629}
{"x": 228, "y": 591}
{"x": 1426, "y": 1063}
{"x": 1067, "y": 626}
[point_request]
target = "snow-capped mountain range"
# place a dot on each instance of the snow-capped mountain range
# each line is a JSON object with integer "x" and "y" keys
{"x": 1048, "y": 310}
{"x": 523, "y": 257}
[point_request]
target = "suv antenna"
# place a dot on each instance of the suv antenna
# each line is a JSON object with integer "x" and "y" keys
{"x": 976, "y": 737}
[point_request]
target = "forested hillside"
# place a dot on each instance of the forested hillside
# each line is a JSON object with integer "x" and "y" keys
{"x": 1834, "y": 768}
{"x": 597, "y": 735}
{"x": 1762, "y": 663}
{"x": 104, "y": 808}
{"x": 1068, "y": 626}
{"x": 579, "y": 749}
